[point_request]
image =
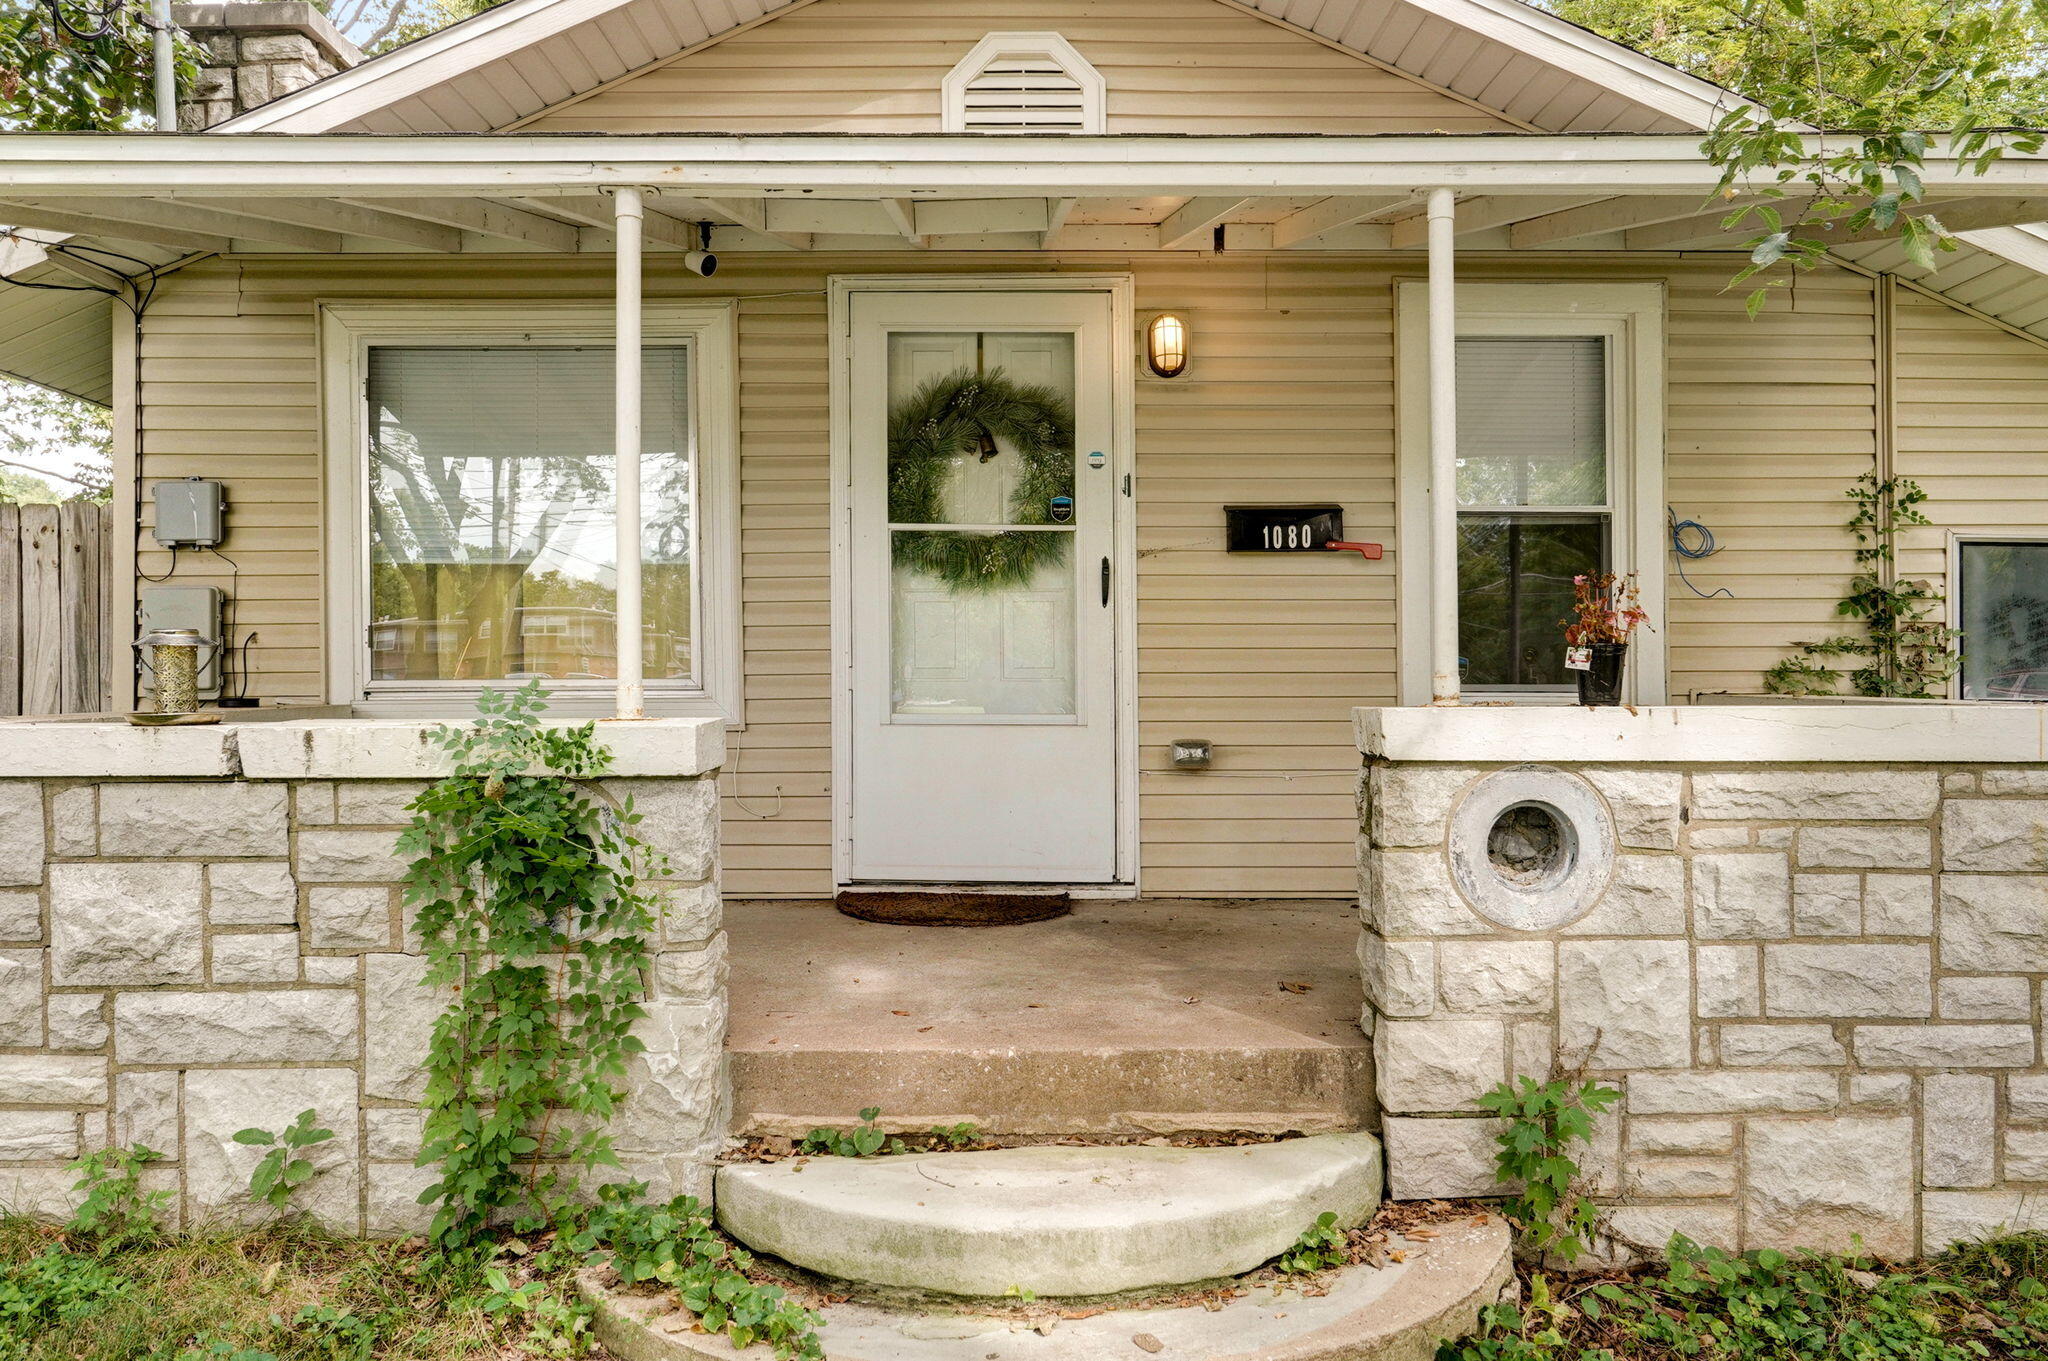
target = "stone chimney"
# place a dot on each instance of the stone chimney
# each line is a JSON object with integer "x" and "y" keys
{"x": 255, "y": 51}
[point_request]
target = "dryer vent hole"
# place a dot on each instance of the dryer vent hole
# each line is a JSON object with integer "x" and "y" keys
{"x": 1528, "y": 845}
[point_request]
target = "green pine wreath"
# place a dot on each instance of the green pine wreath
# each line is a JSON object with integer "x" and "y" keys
{"x": 943, "y": 420}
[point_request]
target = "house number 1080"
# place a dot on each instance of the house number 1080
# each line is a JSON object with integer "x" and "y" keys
{"x": 1288, "y": 536}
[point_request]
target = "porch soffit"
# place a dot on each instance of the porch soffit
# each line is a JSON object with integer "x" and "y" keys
{"x": 498, "y": 68}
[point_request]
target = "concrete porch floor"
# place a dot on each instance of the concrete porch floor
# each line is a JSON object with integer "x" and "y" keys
{"x": 1127, "y": 1017}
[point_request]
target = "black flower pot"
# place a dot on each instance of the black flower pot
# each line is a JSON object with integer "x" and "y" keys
{"x": 1600, "y": 682}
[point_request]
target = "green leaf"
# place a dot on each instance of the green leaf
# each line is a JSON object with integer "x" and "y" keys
{"x": 254, "y": 1136}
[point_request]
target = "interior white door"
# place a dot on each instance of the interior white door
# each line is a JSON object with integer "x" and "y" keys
{"x": 984, "y": 703}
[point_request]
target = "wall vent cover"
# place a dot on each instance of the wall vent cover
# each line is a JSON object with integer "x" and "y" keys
{"x": 1024, "y": 83}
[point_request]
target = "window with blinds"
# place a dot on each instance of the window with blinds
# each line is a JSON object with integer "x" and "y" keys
{"x": 492, "y": 514}
{"x": 1535, "y": 507}
{"x": 1024, "y": 83}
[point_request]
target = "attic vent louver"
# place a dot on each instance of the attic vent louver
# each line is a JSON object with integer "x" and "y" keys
{"x": 1023, "y": 83}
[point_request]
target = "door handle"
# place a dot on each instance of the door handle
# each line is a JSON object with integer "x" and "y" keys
{"x": 1105, "y": 582}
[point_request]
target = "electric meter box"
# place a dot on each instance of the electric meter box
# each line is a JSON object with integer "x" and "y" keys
{"x": 183, "y": 607}
{"x": 189, "y": 513}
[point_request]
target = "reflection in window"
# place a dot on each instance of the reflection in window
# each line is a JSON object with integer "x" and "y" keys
{"x": 491, "y": 514}
{"x": 1533, "y": 500}
{"x": 2005, "y": 619}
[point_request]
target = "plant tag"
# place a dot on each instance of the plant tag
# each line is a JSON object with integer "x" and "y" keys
{"x": 1578, "y": 659}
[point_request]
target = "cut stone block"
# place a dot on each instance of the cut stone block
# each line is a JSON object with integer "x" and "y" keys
{"x": 271, "y": 957}
{"x": 21, "y": 999}
{"x": 1866, "y": 848}
{"x": 233, "y": 819}
{"x": 1730, "y": 1093}
{"x": 236, "y": 1027}
{"x": 21, "y": 832}
{"x": 1898, "y": 904}
{"x": 1399, "y": 977}
{"x": 1443, "y": 1158}
{"x": 1625, "y": 1003}
{"x": 1827, "y": 904}
{"x": 1647, "y": 898}
{"x": 2003, "y": 835}
{"x": 1824, "y": 1184}
{"x": 1054, "y": 1220}
{"x": 1497, "y": 975}
{"x": 251, "y": 895}
{"x": 53, "y": 1080}
{"x": 1438, "y": 1065}
{"x": 121, "y": 923}
{"x": 342, "y": 855}
{"x": 1728, "y": 980}
{"x": 1848, "y": 980}
{"x": 348, "y": 918}
{"x": 1993, "y": 923}
{"x": 220, "y": 1101}
{"x": 1741, "y": 896}
{"x": 1966, "y": 1216}
{"x": 31, "y": 1136}
{"x": 1780, "y": 1046}
{"x": 1964, "y": 998}
{"x": 1959, "y": 1124}
{"x": 1944, "y": 1046}
{"x": 1842, "y": 795}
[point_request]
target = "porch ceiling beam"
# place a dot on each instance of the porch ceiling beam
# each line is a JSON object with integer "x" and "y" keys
{"x": 1197, "y": 219}
{"x": 1480, "y": 214}
{"x": 903, "y": 213}
{"x": 982, "y": 216}
{"x": 98, "y": 275}
{"x": 1963, "y": 215}
{"x": 596, "y": 211}
{"x": 1610, "y": 215}
{"x": 751, "y": 213}
{"x": 181, "y": 217}
{"x": 1057, "y": 211}
{"x": 485, "y": 217}
{"x": 16, "y": 214}
{"x": 359, "y": 167}
{"x": 1332, "y": 213}
{"x": 346, "y": 218}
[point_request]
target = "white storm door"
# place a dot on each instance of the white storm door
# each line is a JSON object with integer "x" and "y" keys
{"x": 984, "y": 707}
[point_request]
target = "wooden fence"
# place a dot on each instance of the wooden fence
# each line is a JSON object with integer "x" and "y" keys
{"x": 53, "y": 608}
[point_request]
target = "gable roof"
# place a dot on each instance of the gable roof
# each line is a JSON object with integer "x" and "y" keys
{"x": 509, "y": 63}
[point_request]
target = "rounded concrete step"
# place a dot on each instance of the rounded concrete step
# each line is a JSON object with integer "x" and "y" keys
{"x": 1051, "y": 1220}
{"x": 1397, "y": 1313}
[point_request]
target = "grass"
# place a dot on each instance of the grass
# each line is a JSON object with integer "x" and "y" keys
{"x": 1982, "y": 1300}
{"x": 284, "y": 1292}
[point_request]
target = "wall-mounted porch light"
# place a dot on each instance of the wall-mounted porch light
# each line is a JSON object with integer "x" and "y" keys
{"x": 1166, "y": 345}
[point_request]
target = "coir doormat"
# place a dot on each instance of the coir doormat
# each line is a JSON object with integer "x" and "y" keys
{"x": 954, "y": 909}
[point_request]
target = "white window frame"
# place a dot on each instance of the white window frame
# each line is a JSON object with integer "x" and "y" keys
{"x": 1952, "y": 589}
{"x": 1630, "y": 318}
{"x": 348, "y": 332}
{"x": 953, "y": 90}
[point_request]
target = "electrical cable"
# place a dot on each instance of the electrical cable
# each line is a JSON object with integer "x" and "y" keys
{"x": 1702, "y": 546}
{"x": 229, "y": 668}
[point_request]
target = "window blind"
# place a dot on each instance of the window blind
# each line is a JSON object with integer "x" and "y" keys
{"x": 1532, "y": 421}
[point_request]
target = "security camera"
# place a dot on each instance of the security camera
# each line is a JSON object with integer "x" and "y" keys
{"x": 701, "y": 262}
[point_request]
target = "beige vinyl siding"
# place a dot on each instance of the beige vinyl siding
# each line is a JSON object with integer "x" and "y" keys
{"x": 1289, "y": 397}
{"x": 1187, "y": 66}
{"x": 1973, "y": 429}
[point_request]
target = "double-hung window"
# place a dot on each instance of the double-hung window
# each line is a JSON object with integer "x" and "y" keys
{"x": 2000, "y": 602}
{"x": 1560, "y": 454}
{"x": 1535, "y": 501}
{"x": 483, "y": 479}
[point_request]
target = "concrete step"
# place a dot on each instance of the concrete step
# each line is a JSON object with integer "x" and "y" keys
{"x": 1145, "y": 1017}
{"x": 1396, "y": 1313}
{"x": 1060, "y": 1221}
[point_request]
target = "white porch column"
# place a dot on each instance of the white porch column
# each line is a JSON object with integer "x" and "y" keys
{"x": 626, "y": 447}
{"x": 1443, "y": 450}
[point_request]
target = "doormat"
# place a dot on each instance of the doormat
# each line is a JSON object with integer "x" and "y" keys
{"x": 954, "y": 909}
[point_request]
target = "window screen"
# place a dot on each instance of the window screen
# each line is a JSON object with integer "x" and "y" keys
{"x": 2004, "y": 601}
{"x": 491, "y": 514}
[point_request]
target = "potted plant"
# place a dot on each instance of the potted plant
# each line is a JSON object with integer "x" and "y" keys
{"x": 1605, "y": 612}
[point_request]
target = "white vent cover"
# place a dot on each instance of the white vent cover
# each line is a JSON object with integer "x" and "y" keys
{"x": 1023, "y": 83}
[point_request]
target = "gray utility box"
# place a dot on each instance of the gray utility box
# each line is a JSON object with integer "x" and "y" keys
{"x": 189, "y": 513}
{"x": 184, "y": 607}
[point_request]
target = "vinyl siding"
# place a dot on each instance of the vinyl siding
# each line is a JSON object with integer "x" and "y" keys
{"x": 1973, "y": 429}
{"x": 1289, "y": 397}
{"x": 1171, "y": 66}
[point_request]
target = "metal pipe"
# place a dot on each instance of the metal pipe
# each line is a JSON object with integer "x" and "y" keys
{"x": 1443, "y": 449}
{"x": 626, "y": 447}
{"x": 162, "y": 33}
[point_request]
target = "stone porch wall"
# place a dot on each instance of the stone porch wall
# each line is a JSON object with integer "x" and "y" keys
{"x": 200, "y": 931}
{"x": 1814, "y": 961}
